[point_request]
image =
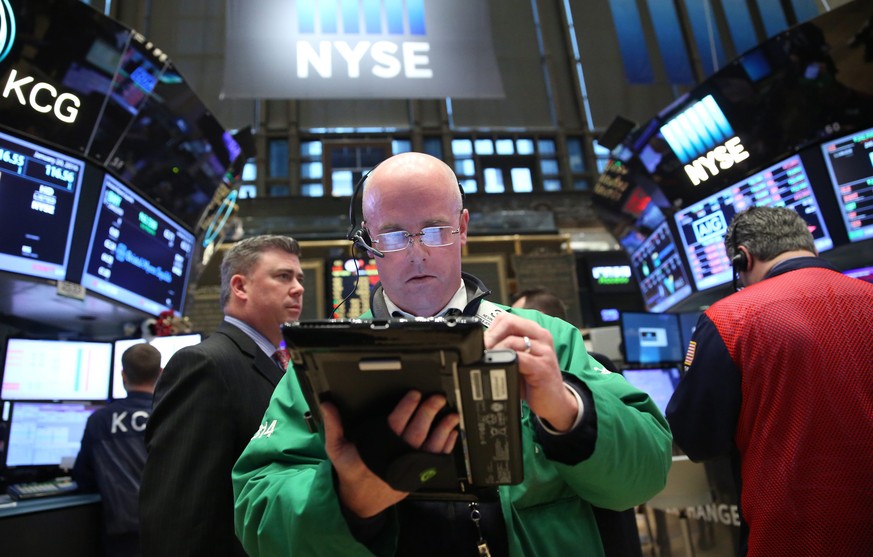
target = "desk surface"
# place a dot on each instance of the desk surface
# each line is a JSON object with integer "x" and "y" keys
{"x": 14, "y": 508}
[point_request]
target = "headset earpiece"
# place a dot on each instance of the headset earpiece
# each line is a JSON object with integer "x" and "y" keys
{"x": 740, "y": 261}
{"x": 356, "y": 234}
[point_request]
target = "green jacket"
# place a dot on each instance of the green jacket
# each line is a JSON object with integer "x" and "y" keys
{"x": 286, "y": 503}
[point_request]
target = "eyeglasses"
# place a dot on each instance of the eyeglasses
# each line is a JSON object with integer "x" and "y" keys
{"x": 432, "y": 237}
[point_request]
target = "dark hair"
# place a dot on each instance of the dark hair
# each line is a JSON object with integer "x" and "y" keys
{"x": 244, "y": 255}
{"x": 544, "y": 300}
{"x": 141, "y": 364}
{"x": 768, "y": 232}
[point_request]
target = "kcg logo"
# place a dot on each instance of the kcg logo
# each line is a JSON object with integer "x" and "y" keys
{"x": 7, "y": 28}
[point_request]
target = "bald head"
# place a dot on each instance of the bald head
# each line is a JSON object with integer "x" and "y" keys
{"x": 405, "y": 174}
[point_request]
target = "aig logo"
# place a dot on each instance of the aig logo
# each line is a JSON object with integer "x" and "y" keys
{"x": 7, "y": 29}
{"x": 382, "y": 45}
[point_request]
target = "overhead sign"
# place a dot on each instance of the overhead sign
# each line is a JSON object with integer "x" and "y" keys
{"x": 704, "y": 140}
{"x": 360, "y": 49}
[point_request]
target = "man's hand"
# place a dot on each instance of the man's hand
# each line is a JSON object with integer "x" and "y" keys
{"x": 543, "y": 386}
{"x": 359, "y": 489}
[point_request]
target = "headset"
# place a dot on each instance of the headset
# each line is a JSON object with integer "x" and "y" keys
{"x": 356, "y": 234}
{"x": 740, "y": 261}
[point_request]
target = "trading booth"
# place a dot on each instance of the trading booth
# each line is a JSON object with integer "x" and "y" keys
{"x": 788, "y": 123}
{"x": 114, "y": 179}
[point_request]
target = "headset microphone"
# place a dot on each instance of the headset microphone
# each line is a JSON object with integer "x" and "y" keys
{"x": 358, "y": 241}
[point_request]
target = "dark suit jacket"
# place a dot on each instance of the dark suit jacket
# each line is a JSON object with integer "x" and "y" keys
{"x": 208, "y": 404}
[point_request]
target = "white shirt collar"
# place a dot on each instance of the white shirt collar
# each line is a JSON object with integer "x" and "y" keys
{"x": 458, "y": 301}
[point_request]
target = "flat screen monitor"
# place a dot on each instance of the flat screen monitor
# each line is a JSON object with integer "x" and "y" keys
{"x": 167, "y": 346}
{"x": 849, "y": 162}
{"x": 40, "y": 191}
{"x": 658, "y": 383}
{"x": 46, "y": 433}
{"x": 702, "y": 225}
{"x": 49, "y": 370}
{"x": 651, "y": 338}
{"x": 137, "y": 255}
{"x": 659, "y": 270}
{"x": 863, "y": 273}
{"x": 687, "y": 325}
{"x": 341, "y": 276}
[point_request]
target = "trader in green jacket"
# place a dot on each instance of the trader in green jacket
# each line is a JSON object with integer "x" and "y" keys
{"x": 589, "y": 438}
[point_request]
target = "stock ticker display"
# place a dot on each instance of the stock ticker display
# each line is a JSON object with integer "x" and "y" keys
{"x": 40, "y": 191}
{"x": 342, "y": 275}
{"x": 659, "y": 270}
{"x": 137, "y": 256}
{"x": 702, "y": 225}
{"x": 849, "y": 162}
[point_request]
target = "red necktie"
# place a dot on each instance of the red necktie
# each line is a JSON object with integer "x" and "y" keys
{"x": 282, "y": 358}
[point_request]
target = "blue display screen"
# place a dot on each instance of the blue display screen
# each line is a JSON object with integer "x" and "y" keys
{"x": 651, "y": 338}
{"x": 659, "y": 270}
{"x": 702, "y": 225}
{"x": 137, "y": 255}
{"x": 850, "y": 165}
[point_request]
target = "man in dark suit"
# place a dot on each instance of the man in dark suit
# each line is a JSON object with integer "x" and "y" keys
{"x": 210, "y": 401}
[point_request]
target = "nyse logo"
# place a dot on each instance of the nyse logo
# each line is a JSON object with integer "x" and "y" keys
{"x": 720, "y": 158}
{"x": 7, "y": 29}
{"x": 377, "y": 37}
{"x": 42, "y": 97}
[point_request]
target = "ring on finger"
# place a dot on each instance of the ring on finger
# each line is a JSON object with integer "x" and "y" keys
{"x": 527, "y": 345}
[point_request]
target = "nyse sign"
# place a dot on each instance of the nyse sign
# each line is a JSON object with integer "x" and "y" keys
{"x": 373, "y": 49}
{"x": 722, "y": 157}
{"x": 382, "y": 59}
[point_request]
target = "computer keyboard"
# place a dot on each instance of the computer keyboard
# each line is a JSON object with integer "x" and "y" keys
{"x": 50, "y": 488}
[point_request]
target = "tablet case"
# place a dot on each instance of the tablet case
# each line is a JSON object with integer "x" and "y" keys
{"x": 365, "y": 367}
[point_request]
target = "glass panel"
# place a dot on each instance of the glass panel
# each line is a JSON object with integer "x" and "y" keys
{"x": 469, "y": 186}
{"x": 250, "y": 171}
{"x": 494, "y": 181}
{"x": 248, "y": 192}
{"x": 549, "y": 167}
{"x": 342, "y": 183}
{"x": 522, "y": 181}
{"x": 433, "y": 146}
{"x": 462, "y": 147}
{"x": 580, "y": 185}
{"x": 465, "y": 167}
{"x": 505, "y": 147}
{"x": 311, "y": 170}
{"x": 484, "y": 147}
{"x": 401, "y": 146}
{"x": 312, "y": 190}
{"x": 552, "y": 185}
{"x": 525, "y": 146}
{"x": 310, "y": 149}
{"x": 547, "y": 146}
{"x": 574, "y": 154}
{"x": 279, "y": 191}
{"x": 278, "y": 165}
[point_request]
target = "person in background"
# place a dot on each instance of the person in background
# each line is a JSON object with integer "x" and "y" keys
{"x": 210, "y": 400}
{"x": 113, "y": 451}
{"x": 618, "y": 529}
{"x": 302, "y": 493}
{"x": 779, "y": 377}
{"x": 543, "y": 300}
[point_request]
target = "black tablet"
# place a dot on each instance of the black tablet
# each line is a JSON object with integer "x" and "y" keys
{"x": 365, "y": 367}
